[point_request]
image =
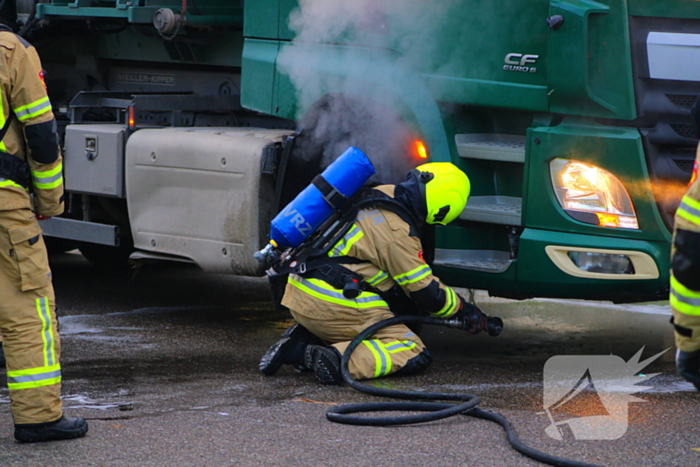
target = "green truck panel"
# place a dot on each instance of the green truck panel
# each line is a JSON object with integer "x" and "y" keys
{"x": 500, "y": 88}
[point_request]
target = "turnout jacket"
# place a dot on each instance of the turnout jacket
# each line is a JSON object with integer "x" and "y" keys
{"x": 685, "y": 274}
{"x": 392, "y": 254}
{"x": 32, "y": 134}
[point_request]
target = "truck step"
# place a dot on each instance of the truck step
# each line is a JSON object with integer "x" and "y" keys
{"x": 506, "y": 210}
{"x": 71, "y": 229}
{"x": 493, "y": 261}
{"x": 492, "y": 147}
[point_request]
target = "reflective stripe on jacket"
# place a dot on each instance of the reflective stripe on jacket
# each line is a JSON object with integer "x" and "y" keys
{"x": 685, "y": 301}
{"x": 382, "y": 239}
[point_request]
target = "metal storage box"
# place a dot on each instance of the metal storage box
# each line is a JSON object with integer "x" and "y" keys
{"x": 94, "y": 159}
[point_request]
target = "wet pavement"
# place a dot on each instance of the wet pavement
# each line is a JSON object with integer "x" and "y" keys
{"x": 162, "y": 361}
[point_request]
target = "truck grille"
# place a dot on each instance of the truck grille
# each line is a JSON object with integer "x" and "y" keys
{"x": 685, "y": 166}
{"x": 681, "y": 100}
{"x": 663, "y": 107}
{"x": 686, "y": 131}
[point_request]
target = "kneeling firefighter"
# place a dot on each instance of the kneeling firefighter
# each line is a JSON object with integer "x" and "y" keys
{"x": 381, "y": 257}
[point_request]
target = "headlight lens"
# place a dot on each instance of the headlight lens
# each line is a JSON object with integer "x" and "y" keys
{"x": 585, "y": 188}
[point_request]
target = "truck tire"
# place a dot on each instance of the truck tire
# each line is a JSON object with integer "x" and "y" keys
{"x": 108, "y": 257}
{"x": 57, "y": 246}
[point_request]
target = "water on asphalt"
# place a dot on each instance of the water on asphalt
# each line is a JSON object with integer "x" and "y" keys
{"x": 162, "y": 361}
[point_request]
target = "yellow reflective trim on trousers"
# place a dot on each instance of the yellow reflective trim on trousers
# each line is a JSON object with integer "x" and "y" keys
{"x": 689, "y": 210}
{"x": 400, "y": 346}
{"x": 377, "y": 358}
{"x": 37, "y": 384}
{"x": 413, "y": 276}
{"x": 381, "y": 357}
{"x": 451, "y": 303}
{"x": 683, "y": 299}
{"x": 48, "y": 179}
{"x": 34, "y": 377}
{"x": 34, "y": 109}
{"x": 323, "y": 291}
{"x": 49, "y": 350}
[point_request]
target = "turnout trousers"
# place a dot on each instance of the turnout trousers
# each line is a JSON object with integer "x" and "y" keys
{"x": 391, "y": 350}
{"x": 28, "y": 320}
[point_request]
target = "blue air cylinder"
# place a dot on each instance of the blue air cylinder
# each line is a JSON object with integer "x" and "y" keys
{"x": 315, "y": 204}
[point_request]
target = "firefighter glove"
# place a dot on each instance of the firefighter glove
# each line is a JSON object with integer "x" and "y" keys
{"x": 473, "y": 319}
{"x": 688, "y": 366}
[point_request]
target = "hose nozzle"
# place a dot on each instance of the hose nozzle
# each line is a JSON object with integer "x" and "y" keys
{"x": 450, "y": 323}
{"x": 494, "y": 325}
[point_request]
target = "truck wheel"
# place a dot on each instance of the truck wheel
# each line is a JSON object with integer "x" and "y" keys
{"x": 59, "y": 245}
{"x": 108, "y": 257}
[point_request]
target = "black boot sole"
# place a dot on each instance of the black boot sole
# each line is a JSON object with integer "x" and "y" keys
{"x": 326, "y": 365}
{"x": 33, "y": 435}
{"x": 272, "y": 360}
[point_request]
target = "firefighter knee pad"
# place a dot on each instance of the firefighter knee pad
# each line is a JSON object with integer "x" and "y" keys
{"x": 416, "y": 364}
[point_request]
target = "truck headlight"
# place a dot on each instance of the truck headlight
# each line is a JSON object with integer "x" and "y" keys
{"x": 585, "y": 188}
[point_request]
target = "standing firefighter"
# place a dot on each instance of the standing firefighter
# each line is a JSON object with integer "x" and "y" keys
{"x": 29, "y": 162}
{"x": 385, "y": 255}
{"x": 685, "y": 277}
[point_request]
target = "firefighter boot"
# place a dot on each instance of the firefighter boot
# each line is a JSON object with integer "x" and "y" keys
{"x": 288, "y": 350}
{"x": 63, "y": 428}
{"x": 2, "y": 356}
{"x": 325, "y": 361}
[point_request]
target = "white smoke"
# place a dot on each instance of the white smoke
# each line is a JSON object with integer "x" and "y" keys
{"x": 409, "y": 26}
{"x": 387, "y": 36}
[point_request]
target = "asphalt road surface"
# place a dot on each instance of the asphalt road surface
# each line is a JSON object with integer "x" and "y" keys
{"x": 162, "y": 361}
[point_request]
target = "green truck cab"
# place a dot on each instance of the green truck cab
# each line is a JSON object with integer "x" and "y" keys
{"x": 571, "y": 118}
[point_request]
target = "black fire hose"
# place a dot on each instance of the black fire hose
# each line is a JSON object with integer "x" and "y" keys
{"x": 436, "y": 410}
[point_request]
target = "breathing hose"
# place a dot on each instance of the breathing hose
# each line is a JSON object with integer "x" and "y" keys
{"x": 466, "y": 403}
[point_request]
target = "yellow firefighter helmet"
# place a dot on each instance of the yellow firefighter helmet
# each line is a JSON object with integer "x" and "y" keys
{"x": 446, "y": 190}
